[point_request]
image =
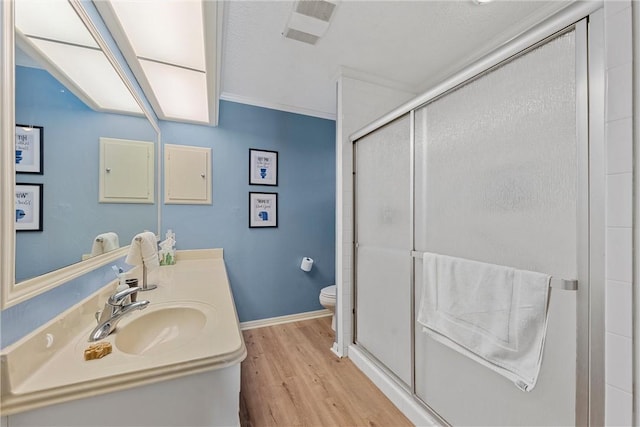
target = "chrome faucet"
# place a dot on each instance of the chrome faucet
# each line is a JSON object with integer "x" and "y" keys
{"x": 117, "y": 306}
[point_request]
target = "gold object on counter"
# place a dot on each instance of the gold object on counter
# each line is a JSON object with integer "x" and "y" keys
{"x": 97, "y": 350}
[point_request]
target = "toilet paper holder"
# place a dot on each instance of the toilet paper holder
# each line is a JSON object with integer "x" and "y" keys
{"x": 307, "y": 264}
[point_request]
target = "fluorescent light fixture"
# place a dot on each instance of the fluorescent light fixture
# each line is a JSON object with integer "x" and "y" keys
{"x": 53, "y": 20}
{"x": 171, "y": 52}
{"x": 92, "y": 73}
{"x": 170, "y": 31}
{"x": 481, "y": 2}
{"x": 52, "y": 31}
{"x": 181, "y": 92}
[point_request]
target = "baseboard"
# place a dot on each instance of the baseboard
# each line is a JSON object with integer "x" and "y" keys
{"x": 335, "y": 349}
{"x": 253, "y": 324}
{"x": 416, "y": 413}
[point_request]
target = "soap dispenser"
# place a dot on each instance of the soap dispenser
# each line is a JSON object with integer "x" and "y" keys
{"x": 167, "y": 252}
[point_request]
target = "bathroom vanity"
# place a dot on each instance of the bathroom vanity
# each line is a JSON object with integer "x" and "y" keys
{"x": 175, "y": 363}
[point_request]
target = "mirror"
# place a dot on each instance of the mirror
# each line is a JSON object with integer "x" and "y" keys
{"x": 72, "y": 216}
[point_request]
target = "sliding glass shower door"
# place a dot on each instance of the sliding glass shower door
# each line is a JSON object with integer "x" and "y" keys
{"x": 497, "y": 182}
{"x": 495, "y": 170}
{"x": 383, "y": 234}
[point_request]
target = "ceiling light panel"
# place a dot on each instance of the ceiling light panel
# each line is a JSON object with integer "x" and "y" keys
{"x": 181, "y": 93}
{"x": 170, "y": 31}
{"x": 90, "y": 70}
{"x": 53, "y": 20}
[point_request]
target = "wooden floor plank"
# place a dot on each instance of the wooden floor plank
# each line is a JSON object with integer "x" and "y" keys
{"x": 291, "y": 378}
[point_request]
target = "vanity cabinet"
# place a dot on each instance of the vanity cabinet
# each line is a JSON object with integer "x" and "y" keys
{"x": 189, "y": 377}
{"x": 126, "y": 171}
{"x": 205, "y": 399}
{"x": 187, "y": 175}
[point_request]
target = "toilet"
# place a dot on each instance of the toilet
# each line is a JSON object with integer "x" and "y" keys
{"x": 328, "y": 301}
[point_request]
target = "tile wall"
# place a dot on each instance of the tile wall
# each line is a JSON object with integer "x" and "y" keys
{"x": 619, "y": 197}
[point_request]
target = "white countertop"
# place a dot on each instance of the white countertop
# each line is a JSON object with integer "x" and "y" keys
{"x": 34, "y": 375}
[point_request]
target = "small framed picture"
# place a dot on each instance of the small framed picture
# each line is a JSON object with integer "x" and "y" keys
{"x": 28, "y": 207}
{"x": 263, "y": 167}
{"x": 263, "y": 210}
{"x": 29, "y": 155}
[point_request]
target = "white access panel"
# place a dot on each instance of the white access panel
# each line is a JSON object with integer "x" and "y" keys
{"x": 187, "y": 174}
{"x": 383, "y": 235}
{"x": 496, "y": 182}
{"x": 126, "y": 171}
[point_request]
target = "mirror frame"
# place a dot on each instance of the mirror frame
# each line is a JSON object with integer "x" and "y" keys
{"x": 10, "y": 292}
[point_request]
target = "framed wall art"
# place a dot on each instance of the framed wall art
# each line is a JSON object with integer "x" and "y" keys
{"x": 29, "y": 155}
{"x": 263, "y": 210}
{"x": 28, "y": 207}
{"x": 263, "y": 167}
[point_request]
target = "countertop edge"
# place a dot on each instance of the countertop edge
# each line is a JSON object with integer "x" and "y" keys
{"x": 13, "y": 404}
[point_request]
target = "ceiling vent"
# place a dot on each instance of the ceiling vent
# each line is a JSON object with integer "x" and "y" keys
{"x": 318, "y": 9}
{"x": 309, "y": 20}
{"x": 301, "y": 36}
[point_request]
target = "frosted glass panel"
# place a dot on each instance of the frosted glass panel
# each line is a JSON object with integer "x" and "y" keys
{"x": 383, "y": 185}
{"x": 384, "y": 307}
{"x": 499, "y": 170}
{"x": 383, "y": 265}
{"x": 496, "y": 182}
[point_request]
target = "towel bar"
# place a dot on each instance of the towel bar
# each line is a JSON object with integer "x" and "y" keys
{"x": 556, "y": 283}
{"x": 565, "y": 285}
{"x": 145, "y": 286}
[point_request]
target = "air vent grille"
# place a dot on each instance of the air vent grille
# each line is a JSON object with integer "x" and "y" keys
{"x": 301, "y": 36}
{"x": 309, "y": 20}
{"x": 318, "y": 9}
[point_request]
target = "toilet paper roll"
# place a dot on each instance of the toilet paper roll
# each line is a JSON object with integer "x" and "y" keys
{"x": 307, "y": 263}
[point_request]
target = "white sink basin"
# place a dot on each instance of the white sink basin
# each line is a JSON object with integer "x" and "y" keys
{"x": 160, "y": 330}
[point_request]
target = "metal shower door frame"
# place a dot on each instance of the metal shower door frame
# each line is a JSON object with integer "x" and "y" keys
{"x": 590, "y": 62}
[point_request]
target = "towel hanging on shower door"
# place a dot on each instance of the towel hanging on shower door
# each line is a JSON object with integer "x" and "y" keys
{"x": 493, "y": 314}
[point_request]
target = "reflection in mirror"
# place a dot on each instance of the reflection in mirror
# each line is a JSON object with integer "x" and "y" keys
{"x": 72, "y": 216}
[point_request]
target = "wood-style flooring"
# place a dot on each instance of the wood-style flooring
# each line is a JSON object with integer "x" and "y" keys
{"x": 291, "y": 378}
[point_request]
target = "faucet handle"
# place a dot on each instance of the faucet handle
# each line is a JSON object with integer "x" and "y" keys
{"x": 120, "y": 297}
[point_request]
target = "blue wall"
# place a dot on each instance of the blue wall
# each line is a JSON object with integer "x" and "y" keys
{"x": 264, "y": 264}
{"x": 21, "y": 319}
{"x": 72, "y": 216}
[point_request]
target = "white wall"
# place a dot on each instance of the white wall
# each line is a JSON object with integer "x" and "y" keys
{"x": 359, "y": 103}
{"x": 619, "y": 196}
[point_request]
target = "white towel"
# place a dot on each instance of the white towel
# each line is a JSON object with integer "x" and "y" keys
{"x": 493, "y": 314}
{"x": 104, "y": 242}
{"x": 143, "y": 250}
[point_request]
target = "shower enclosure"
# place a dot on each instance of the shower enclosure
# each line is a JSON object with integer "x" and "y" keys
{"x": 494, "y": 169}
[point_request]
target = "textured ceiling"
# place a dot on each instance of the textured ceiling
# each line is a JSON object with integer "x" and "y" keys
{"x": 410, "y": 44}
